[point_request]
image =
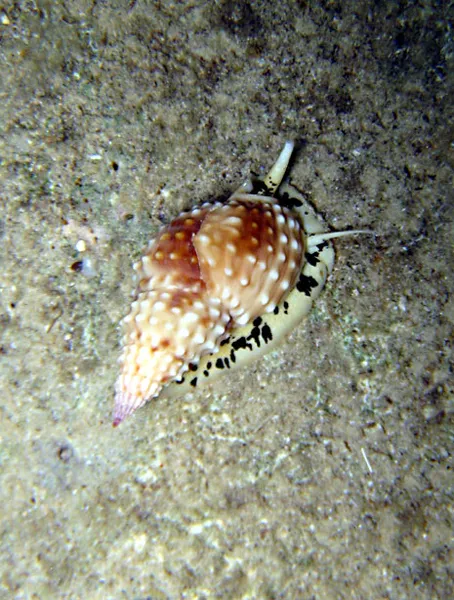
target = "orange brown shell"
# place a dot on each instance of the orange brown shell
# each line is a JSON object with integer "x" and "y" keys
{"x": 209, "y": 271}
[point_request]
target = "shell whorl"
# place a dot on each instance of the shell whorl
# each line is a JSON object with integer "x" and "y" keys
{"x": 210, "y": 270}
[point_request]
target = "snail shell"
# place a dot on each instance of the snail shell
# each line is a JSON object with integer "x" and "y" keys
{"x": 207, "y": 277}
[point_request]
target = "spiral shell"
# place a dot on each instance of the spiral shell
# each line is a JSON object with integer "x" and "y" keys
{"x": 210, "y": 273}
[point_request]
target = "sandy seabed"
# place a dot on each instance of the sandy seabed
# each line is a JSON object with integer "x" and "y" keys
{"x": 324, "y": 470}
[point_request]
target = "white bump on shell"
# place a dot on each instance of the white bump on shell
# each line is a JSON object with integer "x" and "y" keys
{"x": 145, "y": 305}
{"x": 144, "y": 353}
{"x": 273, "y": 275}
{"x": 218, "y": 330}
{"x": 231, "y": 247}
{"x": 228, "y": 271}
{"x": 264, "y": 299}
{"x": 190, "y": 317}
{"x": 214, "y": 313}
{"x": 165, "y": 360}
{"x": 234, "y": 231}
{"x": 172, "y": 371}
{"x": 295, "y": 245}
{"x": 234, "y": 220}
{"x": 243, "y": 320}
{"x": 251, "y": 258}
{"x": 284, "y": 239}
{"x": 203, "y": 239}
{"x": 155, "y": 340}
{"x": 210, "y": 346}
{"x": 285, "y": 284}
{"x": 199, "y": 338}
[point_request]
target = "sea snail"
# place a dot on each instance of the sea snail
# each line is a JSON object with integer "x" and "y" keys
{"x": 221, "y": 285}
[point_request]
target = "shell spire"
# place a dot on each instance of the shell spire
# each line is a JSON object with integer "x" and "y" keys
{"x": 211, "y": 270}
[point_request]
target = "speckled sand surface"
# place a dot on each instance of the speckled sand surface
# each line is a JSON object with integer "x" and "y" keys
{"x": 325, "y": 470}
